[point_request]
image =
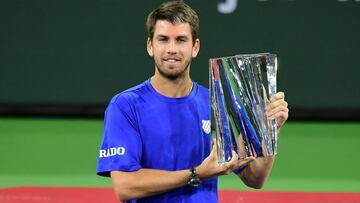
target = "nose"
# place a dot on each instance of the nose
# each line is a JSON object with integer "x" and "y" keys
{"x": 171, "y": 48}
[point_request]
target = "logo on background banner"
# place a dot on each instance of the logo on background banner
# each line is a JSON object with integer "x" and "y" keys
{"x": 206, "y": 126}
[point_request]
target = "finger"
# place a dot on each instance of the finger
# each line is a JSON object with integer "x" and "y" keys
{"x": 280, "y": 121}
{"x": 277, "y": 109}
{"x": 228, "y": 171}
{"x": 233, "y": 164}
{"x": 214, "y": 149}
{"x": 228, "y": 167}
{"x": 281, "y": 114}
{"x": 246, "y": 161}
{"x": 277, "y": 96}
{"x": 238, "y": 164}
{"x": 275, "y": 104}
{"x": 234, "y": 158}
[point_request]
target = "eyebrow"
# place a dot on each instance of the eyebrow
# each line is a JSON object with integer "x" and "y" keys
{"x": 182, "y": 37}
{"x": 162, "y": 36}
{"x": 178, "y": 37}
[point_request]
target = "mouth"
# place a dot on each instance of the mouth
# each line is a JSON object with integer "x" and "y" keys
{"x": 171, "y": 60}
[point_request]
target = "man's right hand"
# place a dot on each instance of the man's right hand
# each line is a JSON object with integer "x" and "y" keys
{"x": 210, "y": 167}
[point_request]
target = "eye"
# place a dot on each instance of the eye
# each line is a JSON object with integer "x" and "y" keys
{"x": 182, "y": 39}
{"x": 162, "y": 38}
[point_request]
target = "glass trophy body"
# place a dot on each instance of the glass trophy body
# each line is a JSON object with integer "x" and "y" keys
{"x": 240, "y": 89}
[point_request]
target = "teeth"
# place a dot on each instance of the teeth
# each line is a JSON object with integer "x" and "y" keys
{"x": 171, "y": 60}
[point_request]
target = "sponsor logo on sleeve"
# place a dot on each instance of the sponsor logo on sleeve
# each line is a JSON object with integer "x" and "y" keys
{"x": 206, "y": 126}
{"x": 114, "y": 151}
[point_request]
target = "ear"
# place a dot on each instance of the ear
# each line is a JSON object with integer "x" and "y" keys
{"x": 149, "y": 47}
{"x": 196, "y": 48}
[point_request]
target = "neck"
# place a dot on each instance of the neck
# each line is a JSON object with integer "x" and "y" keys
{"x": 177, "y": 88}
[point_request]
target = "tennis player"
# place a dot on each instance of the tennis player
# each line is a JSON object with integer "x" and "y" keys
{"x": 156, "y": 144}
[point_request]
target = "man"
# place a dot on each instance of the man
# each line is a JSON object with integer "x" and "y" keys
{"x": 153, "y": 146}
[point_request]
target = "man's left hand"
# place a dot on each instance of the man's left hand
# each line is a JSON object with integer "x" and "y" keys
{"x": 278, "y": 109}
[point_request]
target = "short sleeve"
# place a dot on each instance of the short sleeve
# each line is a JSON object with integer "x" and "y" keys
{"x": 121, "y": 146}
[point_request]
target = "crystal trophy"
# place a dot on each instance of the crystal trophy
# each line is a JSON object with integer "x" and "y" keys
{"x": 240, "y": 89}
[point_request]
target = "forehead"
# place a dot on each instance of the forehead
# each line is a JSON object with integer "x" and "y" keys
{"x": 164, "y": 27}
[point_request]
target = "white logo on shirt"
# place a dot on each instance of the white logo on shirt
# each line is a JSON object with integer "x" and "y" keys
{"x": 206, "y": 126}
{"x": 112, "y": 152}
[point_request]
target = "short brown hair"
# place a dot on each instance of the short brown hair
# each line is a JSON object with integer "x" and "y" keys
{"x": 174, "y": 12}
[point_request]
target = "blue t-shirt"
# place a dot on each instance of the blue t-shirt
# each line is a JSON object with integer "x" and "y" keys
{"x": 144, "y": 129}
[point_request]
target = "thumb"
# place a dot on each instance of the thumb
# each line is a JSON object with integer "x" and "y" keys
{"x": 214, "y": 148}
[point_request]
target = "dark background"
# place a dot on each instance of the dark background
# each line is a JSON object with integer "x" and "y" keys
{"x": 70, "y": 57}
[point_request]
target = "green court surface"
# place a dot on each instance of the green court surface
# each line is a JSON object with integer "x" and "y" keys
{"x": 312, "y": 156}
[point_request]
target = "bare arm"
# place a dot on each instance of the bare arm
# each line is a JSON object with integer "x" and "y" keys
{"x": 257, "y": 172}
{"x": 148, "y": 182}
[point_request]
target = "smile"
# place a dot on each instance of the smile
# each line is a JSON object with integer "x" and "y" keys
{"x": 171, "y": 60}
